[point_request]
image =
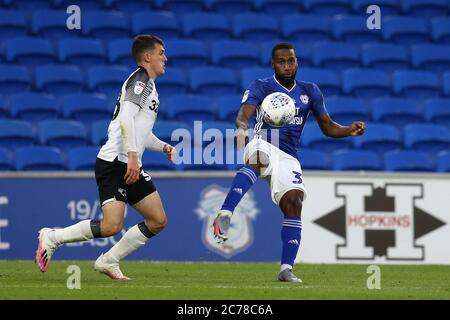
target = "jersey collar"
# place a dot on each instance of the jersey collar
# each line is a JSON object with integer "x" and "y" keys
{"x": 295, "y": 84}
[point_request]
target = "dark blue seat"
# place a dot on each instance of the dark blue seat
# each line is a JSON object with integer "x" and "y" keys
{"x": 385, "y": 56}
{"x": 186, "y": 53}
{"x": 327, "y": 80}
{"x": 163, "y": 24}
{"x": 86, "y": 107}
{"x": 405, "y": 30}
{"x": 248, "y": 75}
{"x": 262, "y": 27}
{"x": 443, "y": 161}
{"x": 408, "y": 160}
{"x": 396, "y": 111}
{"x": 229, "y": 6}
{"x": 379, "y": 137}
{"x": 277, "y": 7}
{"x": 327, "y": 7}
{"x": 356, "y": 160}
{"x": 440, "y": 29}
{"x": 164, "y": 129}
{"x": 180, "y": 6}
{"x": 85, "y": 5}
{"x": 213, "y": 160}
{"x": 446, "y": 83}
{"x": 335, "y": 55}
{"x": 12, "y": 24}
{"x": 107, "y": 79}
{"x": 156, "y": 161}
{"x": 14, "y": 79}
{"x": 305, "y": 27}
{"x": 437, "y": 111}
{"x": 59, "y": 79}
{"x": 213, "y": 80}
{"x": 62, "y": 134}
{"x": 431, "y": 57}
{"x": 387, "y": 7}
{"x": 105, "y": 25}
{"x": 313, "y": 137}
{"x": 33, "y": 107}
{"x": 416, "y": 84}
{"x": 353, "y": 28}
{"x": 234, "y": 54}
{"x": 39, "y": 158}
{"x": 345, "y": 110}
{"x": 119, "y": 52}
{"x": 427, "y": 137}
{"x": 4, "y": 110}
{"x": 6, "y": 160}
{"x": 211, "y": 131}
{"x": 425, "y": 8}
{"x": 228, "y": 106}
{"x": 16, "y": 133}
{"x": 189, "y": 108}
{"x": 99, "y": 132}
{"x": 29, "y": 51}
{"x": 366, "y": 83}
{"x": 82, "y": 158}
{"x": 314, "y": 159}
{"x": 81, "y": 52}
{"x": 131, "y": 6}
{"x": 205, "y": 26}
{"x": 52, "y": 24}
{"x": 173, "y": 81}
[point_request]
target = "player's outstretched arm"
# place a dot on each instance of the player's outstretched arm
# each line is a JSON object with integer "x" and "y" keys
{"x": 242, "y": 124}
{"x": 153, "y": 143}
{"x": 335, "y": 130}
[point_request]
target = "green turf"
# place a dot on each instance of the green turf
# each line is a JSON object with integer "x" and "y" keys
{"x": 184, "y": 280}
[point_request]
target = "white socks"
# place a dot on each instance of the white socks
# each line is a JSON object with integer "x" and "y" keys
{"x": 285, "y": 266}
{"x": 77, "y": 232}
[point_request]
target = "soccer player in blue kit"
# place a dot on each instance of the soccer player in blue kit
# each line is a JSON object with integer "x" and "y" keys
{"x": 272, "y": 153}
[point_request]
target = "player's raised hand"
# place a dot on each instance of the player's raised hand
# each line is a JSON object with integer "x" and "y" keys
{"x": 133, "y": 169}
{"x": 357, "y": 128}
{"x": 170, "y": 151}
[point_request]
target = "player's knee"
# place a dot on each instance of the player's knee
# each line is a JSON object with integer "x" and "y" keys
{"x": 111, "y": 228}
{"x": 292, "y": 206}
{"x": 158, "y": 224}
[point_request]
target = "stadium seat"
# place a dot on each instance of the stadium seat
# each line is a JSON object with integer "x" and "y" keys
{"x": 443, "y": 161}
{"x": 163, "y": 24}
{"x": 425, "y": 8}
{"x": 213, "y": 80}
{"x": 4, "y": 110}
{"x": 211, "y": 159}
{"x": 387, "y": 7}
{"x": 63, "y": 134}
{"x": 408, "y": 160}
{"x": 431, "y": 57}
{"x": 186, "y": 53}
{"x": 99, "y": 132}
{"x": 173, "y": 81}
{"x": 59, "y": 79}
{"x": 189, "y": 108}
{"x": 81, "y": 52}
{"x": 119, "y": 52}
{"x": 277, "y": 7}
{"x": 345, "y": 110}
{"x": 156, "y": 161}
{"x": 446, "y": 83}
{"x": 385, "y": 56}
{"x": 85, "y": 5}
{"x": 107, "y": 79}
{"x": 180, "y": 6}
{"x": 440, "y": 29}
{"x": 405, "y": 30}
{"x": 356, "y": 160}
{"x": 437, "y": 111}
{"x": 86, "y": 107}
{"x": 248, "y": 75}
{"x": 366, "y": 83}
{"x": 164, "y": 129}
{"x": 416, "y": 84}
{"x": 327, "y": 7}
{"x": 29, "y": 51}
{"x": 302, "y": 50}
{"x": 211, "y": 131}
{"x": 6, "y": 160}
{"x": 33, "y": 107}
{"x": 131, "y": 6}
{"x": 335, "y": 55}
{"x": 313, "y": 137}
{"x": 380, "y": 138}
{"x": 234, "y": 54}
{"x": 52, "y": 24}
{"x": 39, "y": 158}
{"x": 262, "y": 27}
{"x": 430, "y": 138}
{"x": 305, "y": 27}
{"x": 228, "y": 106}
{"x": 16, "y": 133}
{"x": 14, "y": 79}
{"x": 12, "y": 24}
{"x": 82, "y": 158}
{"x": 327, "y": 80}
{"x": 314, "y": 159}
{"x": 353, "y": 28}
{"x": 205, "y": 26}
{"x": 229, "y": 6}
{"x": 396, "y": 111}
{"x": 105, "y": 25}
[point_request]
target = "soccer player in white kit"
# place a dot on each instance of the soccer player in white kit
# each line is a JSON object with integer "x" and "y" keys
{"x": 120, "y": 178}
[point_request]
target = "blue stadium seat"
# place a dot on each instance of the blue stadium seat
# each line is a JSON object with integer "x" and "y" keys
{"x": 164, "y": 129}
{"x": 262, "y": 27}
{"x": 205, "y": 26}
{"x": 248, "y": 75}
{"x": 105, "y": 25}
{"x": 63, "y": 134}
{"x": 189, "y": 108}
{"x": 405, "y": 30}
{"x": 85, "y": 5}
{"x": 107, "y": 80}
{"x": 173, "y": 81}
{"x": 186, "y": 53}
{"x": 408, "y": 160}
{"x": 16, "y": 133}
{"x": 86, "y": 107}
{"x": 33, "y": 107}
{"x": 353, "y": 29}
{"x": 119, "y": 52}
{"x": 228, "y": 106}
{"x": 83, "y": 158}
{"x": 229, "y": 6}
{"x": 180, "y": 6}
{"x": 380, "y": 138}
{"x": 327, "y": 80}
{"x": 443, "y": 161}
{"x": 314, "y": 159}
{"x": 29, "y": 51}
{"x": 387, "y": 7}
{"x": 385, "y": 56}
{"x": 431, "y": 57}
{"x": 305, "y": 27}
{"x": 12, "y": 24}
{"x": 425, "y": 8}
{"x": 366, "y": 83}
{"x": 6, "y": 160}
{"x": 396, "y": 111}
{"x": 437, "y": 111}
{"x": 52, "y": 24}
{"x": 156, "y": 161}
{"x": 327, "y": 7}
{"x": 356, "y": 160}
{"x": 210, "y": 132}
{"x": 14, "y": 79}
{"x": 4, "y": 110}
{"x": 234, "y": 54}
{"x": 81, "y": 52}
{"x": 99, "y": 132}
{"x": 335, "y": 55}
{"x": 59, "y": 79}
{"x": 39, "y": 158}
{"x": 302, "y": 50}
{"x": 426, "y": 137}
{"x": 313, "y": 137}
{"x": 210, "y": 160}
{"x": 213, "y": 80}
{"x": 345, "y": 110}
{"x": 277, "y": 7}
{"x": 416, "y": 84}
{"x": 131, "y": 6}
{"x": 163, "y": 24}
{"x": 446, "y": 83}
{"x": 440, "y": 29}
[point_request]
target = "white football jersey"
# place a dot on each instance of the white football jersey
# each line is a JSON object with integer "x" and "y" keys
{"x": 139, "y": 89}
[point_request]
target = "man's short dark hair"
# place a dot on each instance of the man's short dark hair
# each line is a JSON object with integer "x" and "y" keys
{"x": 142, "y": 43}
{"x": 282, "y": 45}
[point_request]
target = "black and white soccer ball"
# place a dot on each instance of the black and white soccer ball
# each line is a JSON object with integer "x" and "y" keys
{"x": 278, "y": 109}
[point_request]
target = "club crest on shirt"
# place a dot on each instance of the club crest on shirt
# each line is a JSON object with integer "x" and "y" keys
{"x": 139, "y": 87}
{"x": 304, "y": 99}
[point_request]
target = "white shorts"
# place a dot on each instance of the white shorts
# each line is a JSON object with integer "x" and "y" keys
{"x": 283, "y": 173}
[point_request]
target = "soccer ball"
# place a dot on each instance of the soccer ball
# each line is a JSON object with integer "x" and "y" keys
{"x": 278, "y": 109}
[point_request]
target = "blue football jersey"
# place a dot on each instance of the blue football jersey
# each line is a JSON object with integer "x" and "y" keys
{"x": 307, "y": 97}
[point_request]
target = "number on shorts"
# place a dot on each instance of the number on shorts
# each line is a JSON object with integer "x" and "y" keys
{"x": 298, "y": 176}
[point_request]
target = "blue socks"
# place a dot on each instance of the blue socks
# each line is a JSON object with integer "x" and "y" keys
{"x": 243, "y": 181}
{"x": 290, "y": 236}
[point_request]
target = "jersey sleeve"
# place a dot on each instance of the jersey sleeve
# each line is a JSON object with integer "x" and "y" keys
{"x": 317, "y": 101}
{"x": 253, "y": 94}
{"x": 135, "y": 87}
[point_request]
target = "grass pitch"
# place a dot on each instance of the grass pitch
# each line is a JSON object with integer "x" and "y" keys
{"x": 222, "y": 281}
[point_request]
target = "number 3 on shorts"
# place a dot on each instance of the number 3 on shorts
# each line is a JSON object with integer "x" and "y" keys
{"x": 298, "y": 177}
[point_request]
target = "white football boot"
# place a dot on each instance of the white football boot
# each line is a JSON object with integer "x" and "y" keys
{"x": 112, "y": 270}
{"x": 46, "y": 249}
